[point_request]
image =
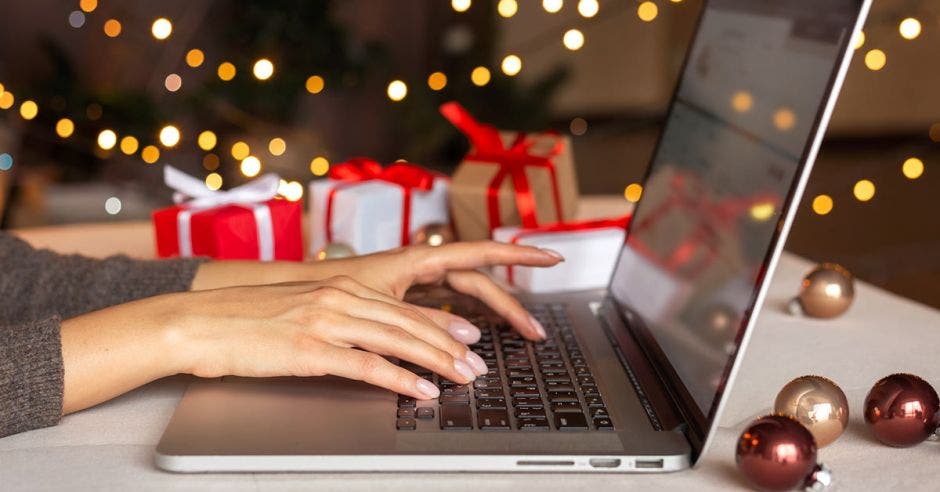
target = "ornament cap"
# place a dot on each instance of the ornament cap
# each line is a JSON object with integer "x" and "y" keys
{"x": 820, "y": 479}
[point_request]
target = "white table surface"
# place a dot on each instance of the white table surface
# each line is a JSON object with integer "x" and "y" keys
{"x": 111, "y": 446}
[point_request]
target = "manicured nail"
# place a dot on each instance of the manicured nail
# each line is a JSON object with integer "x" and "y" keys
{"x": 553, "y": 254}
{"x": 463, "y": 331}
{"x": 464, "y": 370}
{"x": 537, "y": 326}
{"x": 476, "y": 362}
{"x": 427, "y": 389}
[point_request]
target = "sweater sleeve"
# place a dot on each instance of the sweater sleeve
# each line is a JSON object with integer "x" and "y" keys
{"x": 30, "y": 376}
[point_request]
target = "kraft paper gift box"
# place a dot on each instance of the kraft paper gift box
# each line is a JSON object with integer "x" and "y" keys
{"x": 246, "y": 222}
{"x": 371, "y": 208}
{"x": 509, "y": 178}
{"x": 590, "y": 249}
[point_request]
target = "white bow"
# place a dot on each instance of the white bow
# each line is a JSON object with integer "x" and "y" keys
{"x": 193, "y": 195}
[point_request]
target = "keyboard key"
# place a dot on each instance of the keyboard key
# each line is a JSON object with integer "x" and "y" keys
{"x": 594, "y": 401}
{"x": 425, "y": 413}
{"x": 556, "y": 378}
{"x": 455, "y": 400}
{"x": 487, "y": 384}
{"x": 551, "y": 363}
{"x": 406, "y": 401}
{"x": 570, "y": 421}
{"x": 603, "y": 423}
{"x": 527, "y": 403}
{"x": 406, "y": 412}
{"x": 487, "y": 404}
{"x": 456, "y": 417}
{"x": 489, "y": 394}
{"x": 530, "y": 413}
{"x": 519, "y": 364}
{"x": 599, "y": 412}
{"x": 405, "y": 424}
{"x": 492, "y": 419}
{"x": 563, "y": 397}
{"x": 566, "y": 407}
{"x": 533, "y": 425}
{"x": 522, "y": 382}
{"x": 524, "y": 392}
{"x": 463, "y": 389}
{"x": 521, "y": 373}
{"x": 578, "y": 362}
{"x": 582, "y": 371}
{"x": 558, "y": 386}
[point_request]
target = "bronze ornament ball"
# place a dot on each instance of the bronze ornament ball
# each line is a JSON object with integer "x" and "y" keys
{"x": 776, "y": 452}
{"x": 817, "y": 403}
{"x": 902, "y": 410}
{"x": 433, "y": 235}
{"x": 826, "y": 292}
{"x": 334, "y": 251}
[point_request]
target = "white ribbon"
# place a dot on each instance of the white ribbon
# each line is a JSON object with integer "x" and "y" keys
{"x": 193, "y": 196}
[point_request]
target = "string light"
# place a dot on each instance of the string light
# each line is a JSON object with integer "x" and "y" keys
{"x": 88, "y": 6}
{"x": 762, "y": 211}
{"x": 112, "y": 28}
{"x": 315, "y": 84}
{"x": 573, "y": 39}
{"x": 511, "y": 65}
{"x": 742, "y": 101}
{"x": 210, "y": 162}
{"x": 647, "y": 11}
{"x": 588, "y": 8}
{"x": 397, "y": 90}
{"x": 263, "y": 69}
{"x": 910, "y": 28}
{"x": 507, "y": 8}
{"x": 319, "y": 166}
{"x": 161, "y": 28}
{"x": 437, "y": 81}
{"x": 293, "y": 191}
{"x": 150, "y": 154}
{"x": 875, "y": 60}
{"x": 214, "y": 181}
{"x": 633, "y": 192}
{"x": 552, "y": 6}
{"x": 250, "y": 166}
{"x": 64, "y": 128}
{"x": 195, "y": 57}
{"x": 864, "y": 190}
{"x": 578, "y": 126}
{"x": 206, "y": 140}
{"x": 460, "y": 5}
{"x": 6, "y": 162}
{"x": 77, "y": 19}
{"x": 169, "y": 136}
{"x": 107, "y": 139}
{"x": 480, "y": 76}
{"x": 859, "y": 40}
{"x": 7, "y": 100}
{"x": 240, "y": 150}
{"x": 784, "y": 119}
{"x": 934, "y": 132}
{"x": 822, "y": 204}
{"x": 226, "y": 71}
{"x": 912, "y": 168}
{"x": 29, "y": 109}
{"x": 277, "y": 146}
{"x": 173, "y": 82}
{"x": 112, "y": 205}
{"x": 129, "y": 145}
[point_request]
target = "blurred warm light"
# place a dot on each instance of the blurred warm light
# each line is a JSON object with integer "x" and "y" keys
{"x": 822, "y": 204}
{"x": 6, "y": 100}
{"x": 319, "y": 166}
{"x": 934, "y": 132}
{"x": 210, "y": 162}
{"x": 150, "y": 154}
{"x": 460, "y": 5}
{"x": 173, "y": 82}
{"x": 112, "y": 28}
{"x": 112, "y": 205}
{"x": 206, "y": 140}
{"x": 240, "y": 150}
{"x": 910, "y": 28}
{"x": 161, "y": 28}
{"x": 169, "y": 136}
{"x": 263, "y": 69}
{"x": 64, "y": 128}
{"x": 784, "y": 119}
{"x": 397, "y": 90}
{"x": 94, "y": 111}
{"x": 315, "y": 84}
{"x": 250, "y": 166}
{"x": 107, "y": 139}
{"x": 195, "y": 57}
{"x": 859, "y": 40}
{"x": 507, "y": 8}
{"x": 77, "y": 19}
{"x": 742, "y": 101}
{"x": 29, "y": 109}
{"x": 214, "y": 181}
{"x": 277, "y": 146}
{"x": 864, "y": 190}
{"x": 437, "y": 81}
{"x": 647, "y": 11}
{"x": 588, "y": 8}
{"x": 633, "y": 192}
{"x": 293, "y": 191}
{"x": 762, "y": 211}
{"x": 875, "y": 59}
{"x": 129, "y": 145}
{"x": 573, "y": 39}
{"x": 913, "y": 168}
{"x": 480, "y": 76}
{"x": 88, "y": 5}
{"x": 2, "y": 88}
{"x": 512, "y": 65}
{"x": 578, "y": 126}
{"x": 552, "y": 6}
{"x": 226, "y": 71}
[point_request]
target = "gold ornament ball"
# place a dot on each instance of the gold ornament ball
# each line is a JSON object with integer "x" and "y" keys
{"x": 818, "y": 404}
{"x": 826, "y": 292}
{"x": 334, "y": 251}
{"x": 433, "y": 235}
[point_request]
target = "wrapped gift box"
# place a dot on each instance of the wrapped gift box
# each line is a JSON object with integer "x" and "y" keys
{"x": 590, "y": 249}
{"x": 246, "y": 222}
{"x": 509, "y": 178}
{"x": 371, "y": 208}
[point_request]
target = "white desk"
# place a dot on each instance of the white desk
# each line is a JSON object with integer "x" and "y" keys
{"x": 111, "y": 446}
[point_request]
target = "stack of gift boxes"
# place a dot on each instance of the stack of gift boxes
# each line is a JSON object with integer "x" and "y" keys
{"x": 512, "y": 187}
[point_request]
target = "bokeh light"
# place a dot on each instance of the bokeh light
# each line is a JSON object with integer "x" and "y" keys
{"x": 588, "y": 8}
{"x": 88, "y": 5}
{"x": 507, "y": 8}
{"x": 822, "y": 204}
{"x": 263, "y": 69}
{"x": 7, "y": 100}
{"x": 29, "y": 109}
{"x": 875, "y": 59}
{"x": 161, "y": 28}
{"x": 6, "y": 162}
{"x": 397, "y": 90}
{"x": 315, "y": 84}
{"x": 113, "y": 205}
{"x": 910, "y": 28}
{"x": 573, "y": 39}
{"x": 150, "y": 154}
{"x": 195, "y": 57}
{"x": 112, "y": 28}
{"x": 107, "y": 139}
{"x": 250, "y": 166}
{"x": 226, "y": 71}
{"x": 77, "y": 19}
{"x": 480, "y": 76}
{"x": 552, "y": 6}
{"x": 913, "y": 168}
{"x": 277, "y": 146}
{"x": 319, "y": 166}
{"x": 240, "y": 150}
{"x": 511, "y": 65}
{"x": 293, "y": 191}
{"x": 859, "y": 40}
{"x": 460, "y": 5}
{"x": 864, "y": 190}
{"x": 214, "y": 181}
{"x": 742, "y": 101}
{"x": 169, "y": 136}
{"x": 210, "y": 162}
{"x": 206, "y": 140}
{"x": 647, "y": 11}
{"x": 578, "y": 126}
{"x": 64, "y": 128}
{"x": 437, "y": 81}
{"x": 173, "y": 82}
{"x": 784, "y": 119}
{"x": 633, "y": 192}
{"x": 129, "y": 145}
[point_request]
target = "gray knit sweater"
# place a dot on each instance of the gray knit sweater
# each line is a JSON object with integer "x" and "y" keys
{"x": 38, "y": 288}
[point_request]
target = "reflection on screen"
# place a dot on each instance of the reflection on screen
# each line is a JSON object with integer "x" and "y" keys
{"x": 747, "y": 104}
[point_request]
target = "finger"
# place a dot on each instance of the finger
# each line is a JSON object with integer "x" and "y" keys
{"x": 484, "y": 288}
{"x": 434, "y": 262}
{"x": 462, "y": 330}
{"x": 373, "y": 369}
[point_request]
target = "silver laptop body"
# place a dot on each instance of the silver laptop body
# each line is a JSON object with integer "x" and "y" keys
{"x": 663, "y": 342}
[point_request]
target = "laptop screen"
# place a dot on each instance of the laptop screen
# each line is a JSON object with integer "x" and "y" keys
{"x": 745, "y": 114}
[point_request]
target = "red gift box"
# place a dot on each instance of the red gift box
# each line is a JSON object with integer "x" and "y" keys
{"x": 229, "y": 225}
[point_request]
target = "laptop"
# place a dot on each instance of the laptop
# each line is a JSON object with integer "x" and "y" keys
{"x": 632, "y": 378}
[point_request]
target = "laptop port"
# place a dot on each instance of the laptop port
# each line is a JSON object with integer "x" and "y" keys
{"x": 545, "y": 463}
{"x": 604, "y": 462}
{"x": 648, "y": 464}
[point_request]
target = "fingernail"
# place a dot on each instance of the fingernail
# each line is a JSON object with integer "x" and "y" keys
{"x": 463, "y": 331}
{"x": 464, "y": 370}
{"x": 553, "y": 254}
{"x": 476, "y": 363}
{"x": 537, "y": 326}
{"x": 427, "y": 389}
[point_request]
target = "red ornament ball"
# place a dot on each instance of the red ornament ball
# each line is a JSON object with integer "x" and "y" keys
{"x": 776, "y": 452}
{"x": 902, "y": 410}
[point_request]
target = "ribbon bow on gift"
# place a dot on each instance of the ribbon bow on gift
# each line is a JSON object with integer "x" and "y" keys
{"x": 407, "y": 176}
{"x": 193, "y": 196}
{"x": 488, "y": 148}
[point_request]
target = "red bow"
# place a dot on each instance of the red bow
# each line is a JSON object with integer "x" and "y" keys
{"x": 360, "y": 169}
{"x": 488, "y": 148}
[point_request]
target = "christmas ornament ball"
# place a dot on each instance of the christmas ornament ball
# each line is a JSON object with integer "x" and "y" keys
{"x": 776, "y": 452}
{"x": 334, "y": 251}
{"x": 817, "y": 403}
{"x": 902, "y": 410}
{"x": 433, "y": 235}
{"x": 826, "y": 292}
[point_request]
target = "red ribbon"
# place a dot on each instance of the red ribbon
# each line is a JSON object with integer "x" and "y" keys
{"x": 361, "y": 169}
{"x": 585, "y": 225}
{"x": 488, "y": 148}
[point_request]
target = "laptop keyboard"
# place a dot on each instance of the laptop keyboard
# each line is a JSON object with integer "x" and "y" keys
{"x": 531, "y": 386}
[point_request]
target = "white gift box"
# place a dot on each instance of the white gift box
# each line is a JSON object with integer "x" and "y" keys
{"x": 590, "y": 256}
{"x": 367, "y": 215}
